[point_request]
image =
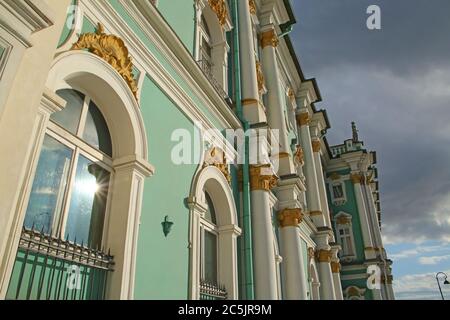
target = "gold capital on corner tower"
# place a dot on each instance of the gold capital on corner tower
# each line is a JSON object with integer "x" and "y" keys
{"x": 290, "y": 217}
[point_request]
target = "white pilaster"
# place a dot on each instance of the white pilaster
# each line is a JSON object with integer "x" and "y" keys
{"x": 367, "y": 238}
{"x": 312, "y": 193}
{"x": 336, "y": 270}
{"x": 253, "y": 112}
{"x": 295, "y": 283}
{"x": 275, "y": 101}
{"x": 324, "y": 255}
{"x": 262, "y": 180}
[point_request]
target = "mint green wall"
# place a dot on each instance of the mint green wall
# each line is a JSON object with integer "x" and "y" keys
{"x": 186, "y": 25}
{"x": 162, "y": 263}
{"x": 66, "y": 30}
{"x": 180, "y": 15}
{"x": 351, "y": 208}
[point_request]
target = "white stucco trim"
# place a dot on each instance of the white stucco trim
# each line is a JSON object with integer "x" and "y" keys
{"x": 90, "y": 74}
{"x": 210, "y": 179}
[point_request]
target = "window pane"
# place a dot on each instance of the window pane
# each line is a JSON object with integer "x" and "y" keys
{"x": 338, "y": 192}
{"x": 69, "y": 118}
{"x": 49, "y": 187}
{"x": 210, "y": 212}
{"x": 88, "y": 204}
{"x": 96, "y": 131}
{"x": 210, "y": 257}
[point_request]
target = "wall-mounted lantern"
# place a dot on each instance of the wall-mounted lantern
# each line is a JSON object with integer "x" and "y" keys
{"x": 167, "y": 226}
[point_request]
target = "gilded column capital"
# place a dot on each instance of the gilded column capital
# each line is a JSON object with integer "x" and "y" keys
{"x": 220, "y": 9}
{"x": 335, "y": 267}
{"x": 252, "y": 5}
{"x": 259, "y": 180}
{"x": 260, "y": 77}
{"x": 356, "y": 178}
{"x": 316, "y": 146}
{"x": 269, "y": 38}
{"x": 311, "y": 253}
{"x": 299, "y": 155}
{"x": 303, "y": 119}
{"x": 324, "y": 256}
{"x": 290, "y": 217}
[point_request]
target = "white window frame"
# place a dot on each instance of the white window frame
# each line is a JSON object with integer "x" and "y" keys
{"x": 79, "y": 148}
{"x": 345, "y": 256}
{"x": 206, "y": 226}
{"x": 338, "y": 201}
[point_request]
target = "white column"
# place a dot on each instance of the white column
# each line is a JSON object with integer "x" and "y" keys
{"x": 228, "y": 260}
{"x": 123, "y": 224}
{"x": 295, "y": 283}
{"x": 374, "y": 217}
{"x": 336, "y": 270}
{"x": 325, "y": 275}
{"x": 276, "y": 115}
{"x": 368, "y": 244}
{"x": 253, "y": 112}
{"x": 261, "y": 181}
{"x": 323, "y": 256}
{"x": 312, "y": 192}
{"x": 316, "y": 146}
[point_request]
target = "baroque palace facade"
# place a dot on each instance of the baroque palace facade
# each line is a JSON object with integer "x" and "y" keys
{"x": 103, "y": 197}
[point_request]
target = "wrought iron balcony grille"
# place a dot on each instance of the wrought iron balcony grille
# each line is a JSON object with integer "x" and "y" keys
{"x": 210, "y": 291}
{"x": 48, "y": 268}
{"x": 206, "y": 67}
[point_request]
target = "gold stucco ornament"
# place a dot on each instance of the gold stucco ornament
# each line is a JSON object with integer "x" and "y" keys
{"x": 260, "y": 77}
{"x": 220, "y": 9}
{"x": 113, "y": 50}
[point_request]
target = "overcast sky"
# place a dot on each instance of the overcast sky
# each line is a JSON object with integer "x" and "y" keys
{"x": 395, "y": 83}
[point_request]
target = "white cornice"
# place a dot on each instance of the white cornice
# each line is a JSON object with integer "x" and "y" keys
{"x": 167, "y": 42}
{"x": 98, "y": 10}
{"x": 21, "y": 18}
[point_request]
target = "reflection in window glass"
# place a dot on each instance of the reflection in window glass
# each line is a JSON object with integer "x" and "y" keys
{"x": 210, "y": 262}
{"x": 338, "y": 193}
{"x": 49, "y": 187}
{"x": 69, "y": 118}
{"x": 210, "y": 215}
{"x": 96, "y": 131}
{"x": 88, "y": 204}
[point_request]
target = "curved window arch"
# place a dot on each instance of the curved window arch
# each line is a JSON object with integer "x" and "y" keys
{"x": 211, "y": 46}
{"x": 209, "y": 244}
{"x": 72, "y": 181}
{"x": 215, "y": 230}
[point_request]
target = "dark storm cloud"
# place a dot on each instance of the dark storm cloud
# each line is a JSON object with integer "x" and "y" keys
{"x": 396, "y": 84}
{"x": 414, "y": 35}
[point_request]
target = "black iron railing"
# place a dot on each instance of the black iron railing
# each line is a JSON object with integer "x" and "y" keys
{"x": 207, "y": 70}
{"x": 48, "y": 268}
{"x": 210, "y": 291}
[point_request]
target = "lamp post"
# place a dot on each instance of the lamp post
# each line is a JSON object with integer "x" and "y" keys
{"x": 445, "y": 282}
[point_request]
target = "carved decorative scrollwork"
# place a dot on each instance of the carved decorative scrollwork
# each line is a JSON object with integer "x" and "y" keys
{"x": 113, "y": 50}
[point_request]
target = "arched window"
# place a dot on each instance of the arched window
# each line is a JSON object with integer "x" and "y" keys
{"x": 72, "y": 181}
{"x": 209, "y": 245}
{"x": 212, "y": 48}
{"x": 205, "y": 44}
{"x": 344, "y": 230}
